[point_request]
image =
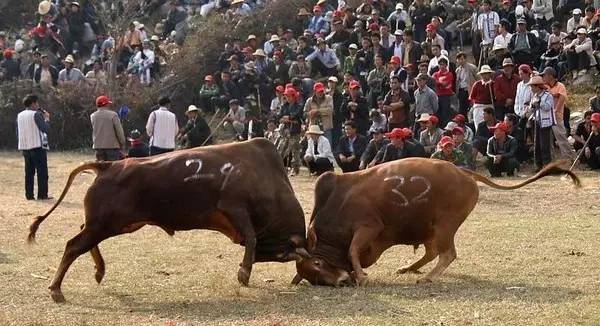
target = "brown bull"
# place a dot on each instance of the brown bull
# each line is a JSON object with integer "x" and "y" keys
{"x": 240, "y": 190}
{"x": 357, "y": 216}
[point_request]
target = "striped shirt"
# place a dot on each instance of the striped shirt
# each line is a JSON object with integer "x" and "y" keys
{"x": 486, "y": 23}
{"x": 162, "y": 127}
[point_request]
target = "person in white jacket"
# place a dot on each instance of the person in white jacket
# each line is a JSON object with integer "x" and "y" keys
{"x": 543, "y": 13}
{"x": 318, "y": 156}
{"x": 145, "y": 58}
{"x": 580, "y": 54}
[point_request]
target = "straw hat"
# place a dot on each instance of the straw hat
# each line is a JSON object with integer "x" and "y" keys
{"x": 536, "y": 80}
{"x": 314, "y": 130}
{"x": 235, "y": 2}
{"x": 303, "y": 12}
{"x": 424, "y": 117}
{"x": 485, "y": 69}
{"x": 251, "y": 37}
{"x": 259, "y": 53}
{"x": 44, "y": 7}
{"x": 192, "y": 108}
{"x": 70, "y": 59}
{"x": 274, "y": 38}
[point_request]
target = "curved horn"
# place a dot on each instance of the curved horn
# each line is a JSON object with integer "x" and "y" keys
{"x": 311, "y": 238}
{"x": 297, "y": 279}
{"x": 302, "y": 253}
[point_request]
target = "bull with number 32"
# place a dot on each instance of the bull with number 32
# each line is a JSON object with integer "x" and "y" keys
{"x": 414, "y": 201}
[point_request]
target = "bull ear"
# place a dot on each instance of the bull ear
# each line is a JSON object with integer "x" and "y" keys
{"x": 297, "y": 279}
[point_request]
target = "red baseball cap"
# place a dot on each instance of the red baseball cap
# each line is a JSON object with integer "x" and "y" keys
{"x": 595, "y": 117}
{"x": 290, "y": 92}
{"x": 319, "y": 88}
{"x": 247, "y": 50}
{"x": 525, "y": 68}
{"x": 500, "y": 125}
{"x": 8, "y": 53}
{"x": 102, "y": 101}
{"x": 458, "y": 131}
{"x": 430, "y": 27}
{"x": 354, "y": 84}
{"x": 374, "y": 27}
{"x": 277, "y": 53}
{"x": 445, "y": 141}
{"x": 396, "y": 133}
{"x": 434, "y": 120}
{"x": 279, "y": 89}
{"x": 459, "y": 118}
{"x": 395, "y": 60}
{"x": 407, "y": 132}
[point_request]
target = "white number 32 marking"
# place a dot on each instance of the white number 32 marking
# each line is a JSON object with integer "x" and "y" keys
{"x": 404, "y": 201}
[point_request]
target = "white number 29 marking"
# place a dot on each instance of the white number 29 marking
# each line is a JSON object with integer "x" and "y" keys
{"x": 404, "y": 201}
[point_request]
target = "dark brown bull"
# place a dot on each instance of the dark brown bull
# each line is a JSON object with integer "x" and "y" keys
{"x": 240, "y": 190}
{"x": 357, "y": 216}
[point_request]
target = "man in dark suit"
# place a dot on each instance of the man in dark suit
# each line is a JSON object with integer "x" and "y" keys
{"x": 350, "y": 148}
{"x": 414, "y": 52}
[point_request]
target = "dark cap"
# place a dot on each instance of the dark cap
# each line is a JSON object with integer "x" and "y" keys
{"x": 549, "y": 71}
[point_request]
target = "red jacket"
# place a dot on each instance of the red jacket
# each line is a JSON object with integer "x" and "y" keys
{"x": 444, "y": 83}
{"x": 480, "y": 93}
{"x": 505, "y": 88}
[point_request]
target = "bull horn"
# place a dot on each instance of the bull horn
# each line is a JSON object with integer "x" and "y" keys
{"x": 297, "y": 279}
{"x": 302, "y": 252}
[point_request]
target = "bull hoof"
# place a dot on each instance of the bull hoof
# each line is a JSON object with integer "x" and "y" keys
{"x": 424, "y": 280}
{"x": 362, "y": 280}
{"x": 244, "y": 276}
{"x": 57, "y": 296}
{"x": 99, "y": 276}
{"x": 404, "y": 270}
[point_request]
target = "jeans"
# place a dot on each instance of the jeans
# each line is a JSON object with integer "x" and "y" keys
{"x": 36, "y": 160}
{"x": 329, "y": 135}
{"x": 445, "y": 111}
{"x": 319, "y": 166}
{"x": 157, "y": 150}
{"x": 508, "y": 165}
{"x": 108, "y": 155}
{"x": 543, "y": 145}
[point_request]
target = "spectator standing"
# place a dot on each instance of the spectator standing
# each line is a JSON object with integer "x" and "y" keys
{"x": 32, "y": 131}
{"x": 505, "y": 89}
{"x": 559, "y": 94}
{"x": 444, "y": 88}
{"x": 426, "y": 100}
{"x": 481, "y": 94}
{"x": 107, "y": 132}
{"x": 291, "y": 118}
{"x": 318, "y": 156}
{"x": 396, "y": 105}
{"x": 466, "y": 76}
{"x": 162, "y": 128}
{"x": 523, "y": 94}
{"x": 46, "y": 75}
{"x": 10, "y": 67}
{"x": 319, "y": 110}
{"x": 355, "y": 108}
{"x": 542, "y": 104}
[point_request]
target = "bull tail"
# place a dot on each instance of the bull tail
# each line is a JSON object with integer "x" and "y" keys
{"x": 550, "y": 169}
{"x": 95, "y": 166}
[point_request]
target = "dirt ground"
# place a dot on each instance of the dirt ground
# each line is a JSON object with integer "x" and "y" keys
{"x": 525, "y": 257}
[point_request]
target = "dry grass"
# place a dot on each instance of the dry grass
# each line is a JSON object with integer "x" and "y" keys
{"x": 526, "y": 257}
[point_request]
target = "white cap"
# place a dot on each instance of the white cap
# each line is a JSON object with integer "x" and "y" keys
{"x": 576, "y": 11}
{"x": 353, "y": 46}
{"x": 333, "y": 79}
{"x": 399, "y": 6}
{"x": 398, "y": 32}
{"x": 582, "y": 31}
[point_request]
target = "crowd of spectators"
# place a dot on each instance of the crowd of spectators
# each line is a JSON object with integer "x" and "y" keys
{"x": 354, "y": 87}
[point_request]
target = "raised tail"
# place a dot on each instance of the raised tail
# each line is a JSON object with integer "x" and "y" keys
{"x": 553, "y": 168}
{"x": 96, "y": 166}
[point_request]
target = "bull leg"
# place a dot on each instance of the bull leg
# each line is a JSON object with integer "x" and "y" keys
{"x": 447, "y": 256}
{"x": 240, "y": 218}
{"x": 361, "y": 241}
{"x": 430, "y": 254}
{"x": 78, "y": 245}
{"x": 98, "y": 261}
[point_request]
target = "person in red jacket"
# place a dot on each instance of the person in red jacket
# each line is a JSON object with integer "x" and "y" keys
{"x": 505, "y": 90}
{"x": 444, "y": 88}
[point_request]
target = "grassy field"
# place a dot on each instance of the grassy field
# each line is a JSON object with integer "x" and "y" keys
{"x": 525, "y": 257}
